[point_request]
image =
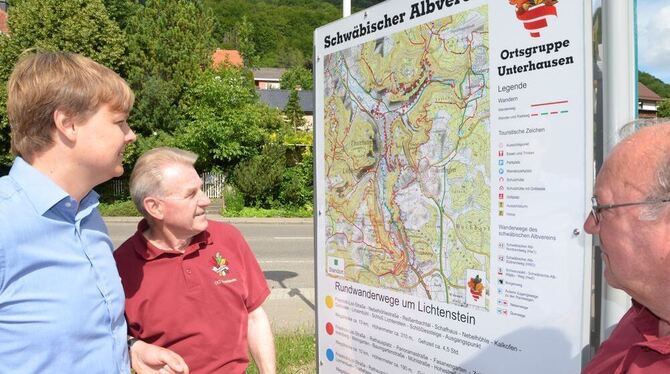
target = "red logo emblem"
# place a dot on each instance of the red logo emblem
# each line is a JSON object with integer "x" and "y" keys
{"x": 476, "y": 287}
{"x": 534, "y": 14}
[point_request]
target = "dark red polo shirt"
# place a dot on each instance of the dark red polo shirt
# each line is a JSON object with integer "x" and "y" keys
{"x": 195, "y": 303}
{"x": 634, "y": 347}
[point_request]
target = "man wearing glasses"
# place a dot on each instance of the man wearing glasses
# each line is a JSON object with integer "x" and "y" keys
{"x": 192, "y": 285}
{"x": 631, "y": 218}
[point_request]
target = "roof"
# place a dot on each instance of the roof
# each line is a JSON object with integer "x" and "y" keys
{"x": 3, "y": 22}
{"x": 229, "y": 56}
{"x": 268, "y": 74}
{"x": 279, "y": 98}
{"x": 644, "y": 93}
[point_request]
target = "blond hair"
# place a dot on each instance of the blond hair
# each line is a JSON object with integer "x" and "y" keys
{"x": 43, "y": 82}
{"x": 147, "y": 176}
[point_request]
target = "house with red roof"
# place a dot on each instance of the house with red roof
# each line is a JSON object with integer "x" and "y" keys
{"x": 4, "y": 6}
{"x": 647, "y": 101}
{"x": 227, "y": 56}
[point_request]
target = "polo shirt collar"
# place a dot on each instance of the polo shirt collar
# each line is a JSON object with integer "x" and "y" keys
{"x": 42, "y": 192}
{"x": 647, "y": 325}
{"x": 149, "y": 252}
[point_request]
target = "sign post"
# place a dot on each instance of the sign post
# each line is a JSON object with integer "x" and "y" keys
{"x": 452, "y": 174}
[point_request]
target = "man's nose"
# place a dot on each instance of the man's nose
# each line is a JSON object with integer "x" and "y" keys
{"x": 590, "y": 225}
{"x": 130, "y": 136}
{"x": 204, "y": 199}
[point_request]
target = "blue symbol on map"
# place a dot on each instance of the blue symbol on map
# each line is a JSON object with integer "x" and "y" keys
{"x": 330, "y": 355}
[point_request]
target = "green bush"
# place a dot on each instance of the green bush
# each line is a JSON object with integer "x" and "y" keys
{"x": 297, "y": 212}
{"x": 259, "y": 177}
{"x": 233, "y": 200}
{"x": 297, "y": 183}
{"x": 123, "y": 208}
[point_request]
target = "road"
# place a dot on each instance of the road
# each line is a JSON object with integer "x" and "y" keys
{"x": 285, "y": 250}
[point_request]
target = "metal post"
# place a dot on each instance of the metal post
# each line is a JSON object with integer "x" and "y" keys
{"x": 346, "y": 8}
{"x": 620, "y": 103}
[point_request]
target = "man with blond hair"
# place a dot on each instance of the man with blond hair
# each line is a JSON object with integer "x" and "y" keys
{"x": 61, "y": 300}
{"x": 192, "y": 285}
{"x": 631, "y": 218}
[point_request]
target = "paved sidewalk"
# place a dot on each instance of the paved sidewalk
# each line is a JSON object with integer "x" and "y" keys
{"x": 291, "y": 310}
{"x": 216, "y": 217}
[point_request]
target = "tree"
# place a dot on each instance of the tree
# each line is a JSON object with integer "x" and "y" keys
{"x": 169, "y": 42}
{"x": 654, "y": 84}
{"x": 293, "y": 112}
{"x": 663, "y": 109}
{"x": 121, "y": 10}
{"x": 245, "y": 44}
{"x": 282, "y": 30}
{"x": 259, "y": 177}
{"x": 225, "y": 123}
{"x": 297, "y": 76}
{"x": 64, "y": 25}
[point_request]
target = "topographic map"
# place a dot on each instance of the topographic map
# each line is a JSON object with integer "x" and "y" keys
{"x": 407, "y": 161}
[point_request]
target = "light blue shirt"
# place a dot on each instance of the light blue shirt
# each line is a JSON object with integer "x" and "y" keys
{"x": 61, "y": 299}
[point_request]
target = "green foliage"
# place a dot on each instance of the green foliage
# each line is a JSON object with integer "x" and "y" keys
{"x": 287, "y": 212}
{"x": 663, "y": 108}
{"x": 297, "y": 183}
{"x": 225, "y": 123}
{"x": 356, "y": 4}
{"x": 124, "y": 208}
{"x": 244, "y": 32}
{"x": 121, "y": 10}
{"x": 662, "y": 89}
{"x": 293, "y": 112}
{"x": 258, "y": 177}
{"x": 145, "y": 143}
{"x": 295, "y": 354}
{"x": 233, "y": 200}
{"x": 283, "y": 30}
{"x": 65, "y": 25}
{"x": 297, "y": 76}
{"x": 169, "y": 41}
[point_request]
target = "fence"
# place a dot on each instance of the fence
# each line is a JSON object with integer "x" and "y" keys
{"x": 212, "y": 185}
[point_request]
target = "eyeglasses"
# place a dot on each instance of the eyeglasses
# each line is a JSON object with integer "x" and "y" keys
{"x": 597, "y": 209}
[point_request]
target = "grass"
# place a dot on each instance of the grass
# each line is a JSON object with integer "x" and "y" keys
{"x": 126, "y": 208}
{"x": 268, "y": 213}
{"x": 123, "y": 208}
{"x": 296, "y": 354}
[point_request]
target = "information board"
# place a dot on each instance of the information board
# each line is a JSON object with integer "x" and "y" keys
{"x": 451, "y": 175}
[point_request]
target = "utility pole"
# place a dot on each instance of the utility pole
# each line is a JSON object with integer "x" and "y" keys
{"x": 346, "y": 8}
{"x": 620, "y": 103}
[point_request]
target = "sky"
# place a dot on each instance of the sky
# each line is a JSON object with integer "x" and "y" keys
{"x": 653, "y": 33}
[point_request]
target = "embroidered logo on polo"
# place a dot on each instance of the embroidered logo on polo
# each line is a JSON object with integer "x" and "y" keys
{"x": 220, "y": 265}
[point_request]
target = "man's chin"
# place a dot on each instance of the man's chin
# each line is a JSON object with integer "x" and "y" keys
{"x": 611, "y": 280}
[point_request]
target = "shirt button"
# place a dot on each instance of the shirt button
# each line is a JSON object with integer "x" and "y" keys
{"x": 188, "y": 271}
{"x": 68, "y": 204}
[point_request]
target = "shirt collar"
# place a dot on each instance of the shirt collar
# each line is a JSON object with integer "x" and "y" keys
{"x": 647, "y": 325}
{"x": 149, "y": 252}
{"x": 42, "y": 192}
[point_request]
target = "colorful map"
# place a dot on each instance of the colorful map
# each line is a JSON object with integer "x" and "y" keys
{"x": 407, "y": 161}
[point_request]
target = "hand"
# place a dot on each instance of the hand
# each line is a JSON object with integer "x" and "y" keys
{"x": 152, "y": 359}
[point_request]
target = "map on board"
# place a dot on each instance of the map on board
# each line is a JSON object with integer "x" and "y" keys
{"x": 407, "y": 161}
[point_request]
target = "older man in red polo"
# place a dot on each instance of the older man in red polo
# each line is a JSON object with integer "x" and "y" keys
{"x": 192, "y": 285}
{"x": 631, "y": 217}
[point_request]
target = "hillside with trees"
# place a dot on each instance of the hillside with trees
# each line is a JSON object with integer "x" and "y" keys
{"x": 654, "y": 84}
{"x": 661, "y": 88}
{"x": 281, "y": 31}
{"x": 163, "y": 48}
